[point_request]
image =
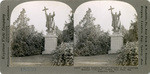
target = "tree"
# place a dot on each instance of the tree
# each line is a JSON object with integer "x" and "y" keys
{"x": 132, "y": 34}
{"x": 60, "y": 36}
{"x": 22, "y": 20}
{"x": 128, "y": 56}
{"x": 25, "y": 40}
{"x": 68, "y": 32}
{"x": 91, "y": 40}
{"x": 88, "y": 19}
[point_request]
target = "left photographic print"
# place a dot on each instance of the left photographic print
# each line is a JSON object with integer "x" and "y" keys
{"x": 41, "y": 34}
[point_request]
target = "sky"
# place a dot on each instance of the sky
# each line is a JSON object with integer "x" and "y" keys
{"x": 99, "y": 11}
{"x": 37, "y": 16}
{"x": 103, "y": 15}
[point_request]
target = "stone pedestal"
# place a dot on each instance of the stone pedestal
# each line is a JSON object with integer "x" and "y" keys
{"x": 50, "y": 43}
{"x": 116, "y": 42}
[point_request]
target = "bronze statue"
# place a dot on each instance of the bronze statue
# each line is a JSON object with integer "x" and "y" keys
{"x": 49, "y": 21}
{"x": 115, "y": 20}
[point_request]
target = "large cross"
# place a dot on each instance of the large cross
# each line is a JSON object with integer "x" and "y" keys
{"x": 45, "y": 9}
{"x": 111, "y": 8}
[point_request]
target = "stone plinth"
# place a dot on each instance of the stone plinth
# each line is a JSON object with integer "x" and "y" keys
{"x": 50, "y": 43}
{"x": 116, "y": 42}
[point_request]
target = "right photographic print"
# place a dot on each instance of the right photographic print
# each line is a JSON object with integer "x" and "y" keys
{"x": 105, "y": 34}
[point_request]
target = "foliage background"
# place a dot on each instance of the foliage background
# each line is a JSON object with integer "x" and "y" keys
{"x": 90, "y": 38}
{"x": 128, "y": 55}
{"x": 24, "y": 39}
{"x": 85, "y": 39}
{"x": 63, "y": 55}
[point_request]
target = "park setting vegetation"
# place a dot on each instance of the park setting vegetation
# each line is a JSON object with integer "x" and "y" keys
{"x": 26, "y": 41}
{"x": 85, "y": 39}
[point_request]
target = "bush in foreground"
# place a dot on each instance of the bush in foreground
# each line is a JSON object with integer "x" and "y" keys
{"x": 128, "y": 56}
{"x": 63, "y": 55}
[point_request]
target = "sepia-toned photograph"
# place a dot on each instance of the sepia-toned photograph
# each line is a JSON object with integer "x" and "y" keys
{"x": 97, "y": 33}
{"x": 74, "y": 36}
{"x": 105, "y": 34}
{"x": 41, "y": 34}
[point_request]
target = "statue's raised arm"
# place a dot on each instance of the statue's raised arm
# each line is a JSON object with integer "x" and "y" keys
{"x": 45, "y": 9}
{"x": 111, "y": 9}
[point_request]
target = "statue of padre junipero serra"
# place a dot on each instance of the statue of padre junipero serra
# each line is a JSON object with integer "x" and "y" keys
{"x": 51, "y": 37}
{"x": 50, "y": 24}
{"x": 116, "y": 37}
{"x": 115, "y": 20}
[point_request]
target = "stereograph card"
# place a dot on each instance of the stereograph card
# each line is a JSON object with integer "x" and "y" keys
{"x": 75, "y": 37}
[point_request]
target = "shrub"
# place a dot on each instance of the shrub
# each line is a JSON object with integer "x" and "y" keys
{"x": 63, "y": 55}
{"x": 128, "y": 56}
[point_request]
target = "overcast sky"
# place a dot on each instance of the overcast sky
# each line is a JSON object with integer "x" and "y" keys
{"x": 99, "y": 11}
{"x": 103, "y": 15}
{"x": 37, "y": 16}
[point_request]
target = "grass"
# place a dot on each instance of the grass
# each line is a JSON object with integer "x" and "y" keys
{"x": 99, "y": 60}
{"x": 29, "y": 61}
{"x": 46, "y": 61}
